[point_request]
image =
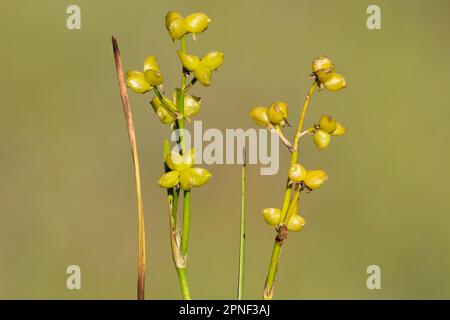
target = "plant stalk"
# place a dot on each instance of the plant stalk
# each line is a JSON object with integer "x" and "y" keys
{"x": 240, "y": 294}
{"x": 282, "y": 230}
{"x": 134, "y": 153}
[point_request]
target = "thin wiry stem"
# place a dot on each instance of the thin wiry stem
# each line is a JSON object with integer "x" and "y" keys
{"x": 134, "y": 153}
{"x": 243, "y": 225}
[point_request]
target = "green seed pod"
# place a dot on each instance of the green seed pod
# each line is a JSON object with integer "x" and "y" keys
{"x": 272, "y": 216}
{"x": 213, "y": 60}
{"x": 297, "y": 172}
{"x": 327, "y": 123}
{"x": 335, "y": 83}
{"x": 203, "y": 75}
{"x": 136, "y": 81}
{"x": 171, "y": 16}
{"x": 197, "y": 22}
{"x": 177, "y": 28}
{"x": 200, "y": 176}
{"x": 169, "y": 179}
{"x": 150, "y": 63}
{"x": 191, "y": 105}
{"x": 315, "y": 179}
{"x": 296, "y": 223}
{"x": 186, "y": 179}
{"x": 321, "y": 139}
{"x": 153, "y": 77}
{"x": 340, "y": 130}
{"x": 323, "y": 68}
{"x": 189, "y": 61}
{"x": 259, "y": 115}
{"x": 178, "y": 162}
{"x": 164, "y": 116}
{"x": 277, "y": 113}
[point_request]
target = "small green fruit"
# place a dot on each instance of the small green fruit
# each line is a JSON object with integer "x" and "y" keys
{"x": 203, "y": 75}
{"x": 197, "y": 22}
{"x": 272, "y": 216}
{"x": 186, "y": 179}
{"x": 189, "y": 61}
{"x": 153, "y": 77}
{"x": 178, "y": 162}
{"x": 259, "y": 115}
{"x": 321, "y": 139}
{"x": 315, "y": 179}
{"x": 169, "y": 179}
{"x": 191, "y": 105}
{"x": 327, "y": 123}
{"x": 297, "y": 172}
{"x": 150, "y": 63}
{"x": 296, "y": 223}
{"x": 340, "y": 130}
{"x": 200, "y": 176}
{"x": 177, "y": 28}
{"x": 136, "y": 81}
{"x": 335, "y": 83}
{"x": 277, "y": 112}
{"x": 171, "y": 16}
{"x": 323, "y": 68}
{"x": 213, "y": 60}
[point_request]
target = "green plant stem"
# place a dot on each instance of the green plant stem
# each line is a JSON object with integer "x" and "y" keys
{"x": 282, "y": 230}
{"x": 178, "y": 259}
{"x": 243, "y": 225}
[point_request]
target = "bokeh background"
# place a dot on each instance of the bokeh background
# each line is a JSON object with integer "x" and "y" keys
{"x": 66, "y": 184}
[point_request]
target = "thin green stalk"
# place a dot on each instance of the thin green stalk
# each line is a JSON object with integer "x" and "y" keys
{"x": 243, "y": 225}
{"x": 282, "y": 230}
{"x": 178, "y": 258}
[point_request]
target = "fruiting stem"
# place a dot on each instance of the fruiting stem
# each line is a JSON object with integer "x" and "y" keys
{"x": 240, "y": 294}
{"x": 134, "y": 153}
{"x": 178, "y": 259}
{"x": 282, "y": 231}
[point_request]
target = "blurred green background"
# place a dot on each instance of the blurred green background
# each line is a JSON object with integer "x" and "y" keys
{"x": 67, "y": 187}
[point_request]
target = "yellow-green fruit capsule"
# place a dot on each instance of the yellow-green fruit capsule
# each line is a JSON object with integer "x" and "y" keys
{"x": 340, "y": 130}
{"x": 191, "y": 105}
{"x": 178, "y": 162}
{"x": 189, "y": 61}
{"x": 277, "y": 112}
{"x": 213, "y": 60}
{"x": 321, "y": 139}
{"x": 315, "y": 179}
{"x": 153, "y": 77}
{"x": 335, "y": 83}
{"x": 150, "y": 63}
{"x": 136, "y": 81}
{"x": 164, "y": 116}
{"x": 171, "y": 16}
{"x": 197, "y": 22}
{"x": 200, "y": 176}
{"x": 259, "y": 115}
{"x": 169, "y": 179}
{"x": 203, "y": 75}
{"x": 272, "y": 216}
{"x": 186, "y": 180}
{"x": 327, "y": 123}
{"x": 323, "y": 68}
{"x": 297, "y": 172}
{"x": 177, "y": 28}
{"x": 296, "y": 223}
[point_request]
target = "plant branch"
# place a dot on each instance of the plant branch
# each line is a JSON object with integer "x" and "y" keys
{"x": 134, "y": 153}
{"x": 282, "y": 230}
